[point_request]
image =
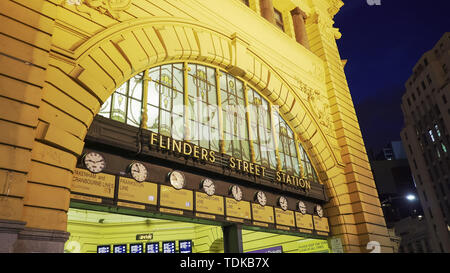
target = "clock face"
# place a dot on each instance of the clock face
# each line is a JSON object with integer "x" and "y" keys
{"x": 282, "y": 201}
{"x": 261, "y": 198}
{"x": 208, "y": 186}
{"x": 301, "y": 207}
{"x": 177, "y": 180}
{"x": 94, "y": 162}
{"x": 236, "y": 192}
{"x": 319, "y": 211}
{"x": 138, "y": 171}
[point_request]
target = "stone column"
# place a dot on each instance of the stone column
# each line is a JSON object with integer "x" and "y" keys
{"x": 267, "y": 10}
{"x": 9, "y": 231}
{"x": 298, "y": 18}
{"x": 33, "y": 240}
{"x": 232, "y": 239}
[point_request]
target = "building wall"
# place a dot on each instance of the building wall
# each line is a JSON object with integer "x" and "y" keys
{"x": 62, "y": 60}
{"x": 426, "y": 136}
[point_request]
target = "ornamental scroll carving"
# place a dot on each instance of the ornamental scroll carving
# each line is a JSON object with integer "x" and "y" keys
{"x": 111, "y": 8}
{"x": 319, "y": 106}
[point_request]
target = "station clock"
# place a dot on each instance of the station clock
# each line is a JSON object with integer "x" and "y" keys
{"x": 138, "y": 171}
{"x": 236, "y": 192}
{"x": 261, "y": 198}
{"x": 208, "y": 186}
{"x": 301, "y": 207}
{"x": 319, "y": 210}
{"x": 94, "y": 162}
{"x": 177, "y": 180}
{"x": 282, "y": 201}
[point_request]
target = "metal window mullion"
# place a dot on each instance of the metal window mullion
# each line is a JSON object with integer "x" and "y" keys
{"x": 186, "y": 69}
{"x": 299, "y": 160}
{"x": 219, "y": 110}
{"x": 249, "y": 124}
{"x": 144, "y": 116}
{"x": 272, "y": 124}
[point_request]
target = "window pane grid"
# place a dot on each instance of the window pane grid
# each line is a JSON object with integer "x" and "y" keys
{"x": 165, "y": 111}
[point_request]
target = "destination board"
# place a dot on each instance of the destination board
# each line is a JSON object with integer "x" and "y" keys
{"x": 143, "y": 192}
{"x": 239, "y": 209}
{"x": 173, "y": 198}
{"x": 304, "y": 221}
{"x": 210, "y": 204}
{"x": 263, "y": 213}
{"x": 284, "y": 217}
{"x": 99, "y": 184}
{"x": 321, "y": 224}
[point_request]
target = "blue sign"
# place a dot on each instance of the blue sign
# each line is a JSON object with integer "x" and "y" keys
{"x": 276, "y": 249}
{"x": 152, "y": 247}
{"x": 185, "y": 246}
{"x": 103, "y": 249}
{"x": 169, "y": 247}
{"x": 120, "y": 248}
{"x": 136, "y": 248}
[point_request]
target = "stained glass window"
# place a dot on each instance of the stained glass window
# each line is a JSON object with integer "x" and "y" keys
{"x": 272, "y": 140}
{"x": 165, "y": 101}
{"x": 125, "y": 104}
{"x": 261, "y": 128}
{"x": 286, "y": 145}
{"x": 308, "y": 170}
{"x": 234, "y": 119}
{"x": 203, "y": 109}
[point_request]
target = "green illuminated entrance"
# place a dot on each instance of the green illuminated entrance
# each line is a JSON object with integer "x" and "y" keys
{"x": 91, "y": 226}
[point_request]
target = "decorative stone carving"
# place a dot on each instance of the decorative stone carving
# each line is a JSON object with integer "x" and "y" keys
{"x": 111, "y": 8}
{"x": 325, "y": 24}
{"x": 319, "y": 106}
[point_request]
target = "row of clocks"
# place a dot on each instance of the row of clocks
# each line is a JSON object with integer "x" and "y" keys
{"x": 96, "y": 163}
{"x": 261, "y": 198}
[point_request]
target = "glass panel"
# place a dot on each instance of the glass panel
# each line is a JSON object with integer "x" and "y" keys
{"x": 153, "y": 93}
{"x": 178, "y": 103}
{"x": 105, "y": 110}
{"x": 136, "y": 87}
{"x": 178, "y": 79}
{"x": 153, "y": 118}
{"x": 134, "y": 112}
{"x": 178, "y": 127}
{"x": 123, "y": 88}
{"x": 118, "y": 107}
{"x": 165, "y": 123}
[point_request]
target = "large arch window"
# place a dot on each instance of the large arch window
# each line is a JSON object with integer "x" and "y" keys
{"x": 184, "y": 100}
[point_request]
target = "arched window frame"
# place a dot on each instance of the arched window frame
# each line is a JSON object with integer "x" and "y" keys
{"x": 303, "y": 158}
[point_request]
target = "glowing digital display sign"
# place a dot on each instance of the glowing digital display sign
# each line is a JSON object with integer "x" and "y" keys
{"x": 185, "y": 246}
{"x": 152, "y": 247}
{"x": 136, "y": 248}
{"x": 103, "y": 249}
{"x": 168, "y": 247}
{"x": 120, "y": 249}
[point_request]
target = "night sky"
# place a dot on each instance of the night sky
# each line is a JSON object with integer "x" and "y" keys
{"x": 382, "y": 44}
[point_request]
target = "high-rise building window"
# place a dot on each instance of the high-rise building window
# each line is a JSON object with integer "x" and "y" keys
{"x": 436, "y": 127}
{"x": 430, "y": 132}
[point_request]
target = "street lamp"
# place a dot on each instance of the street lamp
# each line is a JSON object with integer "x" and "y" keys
{"x": 386, "y": 202}
{"x": 411, "y": 197}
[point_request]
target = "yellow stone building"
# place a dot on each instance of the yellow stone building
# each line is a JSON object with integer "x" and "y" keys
{"x": 61, "y": 61}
